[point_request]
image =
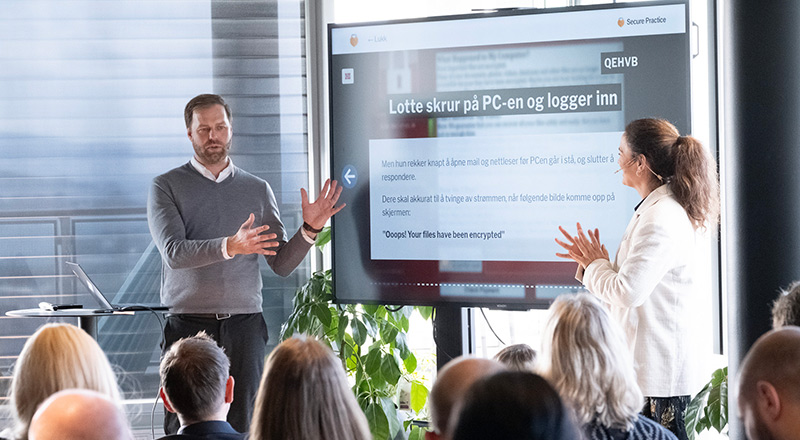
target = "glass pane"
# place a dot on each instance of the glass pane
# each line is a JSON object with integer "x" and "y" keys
{"x": 91, "y": 109}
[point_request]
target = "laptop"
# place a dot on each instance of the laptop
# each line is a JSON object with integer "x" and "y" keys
{"x": 107, "y": 307}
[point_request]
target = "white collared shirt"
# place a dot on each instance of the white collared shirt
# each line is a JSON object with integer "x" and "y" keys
{"x": 224, "y": 174}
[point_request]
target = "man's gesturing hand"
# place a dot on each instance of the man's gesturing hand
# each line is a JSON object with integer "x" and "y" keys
{"x": 317, "y": 214}
{"x": 249, "y": 240}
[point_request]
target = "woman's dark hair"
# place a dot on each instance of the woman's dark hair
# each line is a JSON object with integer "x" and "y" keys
{"x": 514, "y": 406}
{"x": 682, "y": 163}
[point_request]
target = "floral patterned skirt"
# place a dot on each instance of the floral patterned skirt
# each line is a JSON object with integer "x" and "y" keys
{"x": 669, "y": 412}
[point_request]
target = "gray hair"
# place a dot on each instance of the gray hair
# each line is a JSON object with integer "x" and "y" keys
{"x": 587, "y": 360}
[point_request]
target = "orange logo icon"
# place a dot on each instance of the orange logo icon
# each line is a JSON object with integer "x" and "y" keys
{"x": 353, "y": 40}
{"x": 620, "y": 22}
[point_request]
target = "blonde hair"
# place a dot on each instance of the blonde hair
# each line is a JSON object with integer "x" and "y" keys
{"x": 586, "y": 358}
{"x": 55, "y": 358}
{"x": 304, "y": 394}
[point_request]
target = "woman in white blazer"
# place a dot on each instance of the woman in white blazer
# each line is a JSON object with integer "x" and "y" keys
{"x": 650, "y": 286}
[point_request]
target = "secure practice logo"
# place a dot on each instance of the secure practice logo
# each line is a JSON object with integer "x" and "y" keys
{"x": 621, "y": 22}
{"x": 353, "y": 40}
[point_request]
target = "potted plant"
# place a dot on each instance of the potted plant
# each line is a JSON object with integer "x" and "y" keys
{"x": 371, "y": 342}
{"x": 709, "y": 408}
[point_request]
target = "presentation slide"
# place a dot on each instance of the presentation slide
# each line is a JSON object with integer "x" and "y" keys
{"x": 464, "y": 143}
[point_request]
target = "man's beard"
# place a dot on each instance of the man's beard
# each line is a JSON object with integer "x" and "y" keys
{"x": 212, "y": 157}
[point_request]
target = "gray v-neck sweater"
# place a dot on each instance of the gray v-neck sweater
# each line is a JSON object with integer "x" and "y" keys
{"x": 189, "y": 215}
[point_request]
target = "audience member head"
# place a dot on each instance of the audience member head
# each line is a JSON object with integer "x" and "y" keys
{"x": 517, "y": 357}
{"x": 585, "y": 356}
{"x": 786, "y": 309}
{"x": 57, "y": 357}
{"x": 195, "y": 380}
{"x": 769, "y": 386}
{"x": 79, "y": 415}
{"x": 679, "y": 161}
{"x": 451, "y": 384}
{"x": 304, "y": 394}
{"x": 513, "y": 405}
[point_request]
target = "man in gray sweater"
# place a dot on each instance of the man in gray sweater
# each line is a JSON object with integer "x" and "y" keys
{"x": 210, "y": 221}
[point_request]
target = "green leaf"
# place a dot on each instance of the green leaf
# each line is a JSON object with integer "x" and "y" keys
{"x": 323, "y": 238}
{"x": 425, "y": 312}
{"x": 709, "y": 409}
{"x": 379, "y": 312}
{"x": 303, "y": 323}
{"x": 359, "y": 331}
{"x": 351, "y": 352}
{"x": 395, "y": 427}
{"x": 342, "y": 327}
{"x": 713, "y": 409}
{"x": 322, "y": 313}
{"x": 371, "y": 309}
{"x": 395, "y": 317}
{"x": 390, "y": 370}
{"x": 718, "y": 376}
{"x": 410, "y": 363}
{"x": 419, "y": 396}
{"x": 372, "y": 362}
{"x": 378, "y": 422}
{"x": 416, "y": 433}
{"x": 404, "y": 323}
{"x": 388, "y": 331}
{"x": 287, "y": 329}
{"x": 693, "y": 412}
{"x": 402, "y": 346}
{"x": 723, "y": 400}
{"x": 370, "y": 324}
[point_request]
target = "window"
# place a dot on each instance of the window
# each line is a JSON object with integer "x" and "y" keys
{"x": 91, "y": 109}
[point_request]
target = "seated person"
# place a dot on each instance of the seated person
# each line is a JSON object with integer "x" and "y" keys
{"x": 769, "y": 386}
{"x": 517, "y": 357}
{"x": 304, "y": 395}
{"x": 55, "y": 358}
{"x": 79, "y": 415}
{"x": 452, "y": 382}
{"x": 786, "y": 309}
{"x": 586, "y": 358}
{"x": 513, "y": 405}
{"x": 197, "y": 386}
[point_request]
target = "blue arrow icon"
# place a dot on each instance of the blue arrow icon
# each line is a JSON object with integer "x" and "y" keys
{"x": 349, "y": 176}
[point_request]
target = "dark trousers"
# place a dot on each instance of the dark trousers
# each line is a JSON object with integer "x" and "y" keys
{"x": 244, "y": 338}
{"x": 668, "y": 412}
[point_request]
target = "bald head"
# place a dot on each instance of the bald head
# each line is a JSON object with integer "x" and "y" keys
{"x": 79, "y": 415}
{"x": 769, "y": 386}
{"x": 451, "y": 385}
{"x": 775, "y": 358}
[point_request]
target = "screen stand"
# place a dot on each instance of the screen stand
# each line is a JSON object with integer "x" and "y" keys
{"x": 453, "y": 332}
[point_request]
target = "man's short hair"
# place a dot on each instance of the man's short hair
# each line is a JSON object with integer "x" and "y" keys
{"x": 194, "y": 372}
{"x": 203, "y": 101}
{"x": 517, "y": 357}
{"x": 786, "y": 309}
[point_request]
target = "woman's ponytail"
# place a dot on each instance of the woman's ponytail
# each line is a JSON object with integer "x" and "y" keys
{"x": 695, "y": 182}
{"x": 685, "y": 165}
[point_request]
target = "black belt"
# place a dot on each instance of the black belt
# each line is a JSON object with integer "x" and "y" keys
{"x": 217, "y": 316}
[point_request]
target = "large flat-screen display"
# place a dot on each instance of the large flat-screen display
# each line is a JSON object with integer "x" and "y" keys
{"x": 464, "y": 142}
